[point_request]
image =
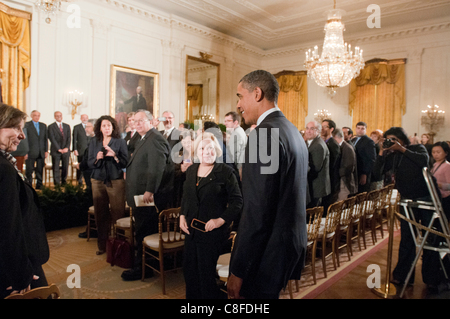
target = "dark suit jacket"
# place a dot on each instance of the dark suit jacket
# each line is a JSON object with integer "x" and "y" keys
{"x": 218, "y": 195}
{"x": 141, "y": 105}
{"x": 174, "y": 137}
{"x": 38, "y": 144}
{"x": 271, "y": 240}
{"x": 335, "y": 157}
{"x": 146, "y": 168}
{"x": 319, "y": 171}
{"x": 347, "y": 169}
{"x": 365, "y": 155}
{"x": 58, "y": 141}
{"x": 79, "y": 142}
{"x": 23, "y": 240}
{"x": 131, "y": 142}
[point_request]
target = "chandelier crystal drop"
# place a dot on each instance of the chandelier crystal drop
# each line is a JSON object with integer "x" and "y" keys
{"x": 49, "y": 7}
{"x": 337, "y": 65}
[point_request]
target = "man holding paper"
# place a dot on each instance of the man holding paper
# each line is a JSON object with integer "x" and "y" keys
{"x": 145, "y": 176}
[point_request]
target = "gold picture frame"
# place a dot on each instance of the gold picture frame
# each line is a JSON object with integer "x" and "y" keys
{"x": 124, "y": 93}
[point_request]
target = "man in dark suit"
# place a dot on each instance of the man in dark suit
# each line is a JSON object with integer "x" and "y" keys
{"x": 365, "y": 156}
{"x": 170, "y": 133}
{"x": 79, "y": 143}
{"x": 328, "y": 127}
{"x": 137, "y": 101}
{"x": 348, "y": 173}
{"x": 38, "y": 148}
{"x": 270, "y": 247}
{"x": 319, "y": 162}
{"x": 59, "y": 136}
{"x": 145, "y": 176}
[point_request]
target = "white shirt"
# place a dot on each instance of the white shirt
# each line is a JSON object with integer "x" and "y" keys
{"x": 169, "y": 131}
{"x": 266, "y": 113}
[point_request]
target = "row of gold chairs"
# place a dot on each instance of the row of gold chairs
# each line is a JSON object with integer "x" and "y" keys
{"x": 353, "y": 217}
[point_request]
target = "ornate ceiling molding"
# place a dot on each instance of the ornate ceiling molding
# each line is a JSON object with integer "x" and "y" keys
{"x": 239, "y": 45}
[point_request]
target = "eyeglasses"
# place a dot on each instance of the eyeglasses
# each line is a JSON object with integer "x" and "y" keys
{"x": 140, "y": 121}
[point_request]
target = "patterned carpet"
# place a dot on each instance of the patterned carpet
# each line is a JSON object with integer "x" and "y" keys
{"x": 99, "y": 280}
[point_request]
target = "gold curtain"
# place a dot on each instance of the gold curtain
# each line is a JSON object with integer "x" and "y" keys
{"x": 293, "y": 97}
{"x": 15, "y": 45}
{"x": 195, "y": 99}
{"x": 377, "y": 95}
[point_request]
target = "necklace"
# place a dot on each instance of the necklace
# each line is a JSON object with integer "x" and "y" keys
{"x": 199, "y": 178}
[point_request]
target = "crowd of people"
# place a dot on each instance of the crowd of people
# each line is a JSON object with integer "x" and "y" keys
{"x": 215, "y": 177}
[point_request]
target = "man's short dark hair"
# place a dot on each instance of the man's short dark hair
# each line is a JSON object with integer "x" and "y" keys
{"x": 331, "y": 123}
{"x": 350, "y": 131}
{"x": 235, "y": 116}
{"x": 398, "y": 132}
{"x": 362, "y": 124}
{"x": 265, "y": 81}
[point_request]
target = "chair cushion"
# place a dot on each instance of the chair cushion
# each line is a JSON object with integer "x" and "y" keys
{"x": 91, "y": 210}
{"x": 322, "y": 229}
{"x": 224, "y": 260}
{"x": 224, "y": 271}
{"x": 152, "y": 241}
{"x": 124, "y": 222}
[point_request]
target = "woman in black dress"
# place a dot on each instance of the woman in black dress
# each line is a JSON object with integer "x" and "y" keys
{"x": 211, "y": 195}
{"x": 23, "y": 241}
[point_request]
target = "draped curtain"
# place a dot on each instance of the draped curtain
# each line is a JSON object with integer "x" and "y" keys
{"x": 195, "y": 100}
{"x": 15, "y": 56}
{"x": 293, "y": 97}
{"x": 377, "y": 95}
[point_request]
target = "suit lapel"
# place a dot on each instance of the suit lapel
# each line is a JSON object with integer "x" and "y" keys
{"x": 139, "y": 145}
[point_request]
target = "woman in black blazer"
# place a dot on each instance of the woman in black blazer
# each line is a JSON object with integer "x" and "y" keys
{"x": 212, "y": 195}
{"x": 108, "y": 156}
{"x": 23, "y": 241}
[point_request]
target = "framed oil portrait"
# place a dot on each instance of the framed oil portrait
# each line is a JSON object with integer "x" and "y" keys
{"x": 132, "y": 90}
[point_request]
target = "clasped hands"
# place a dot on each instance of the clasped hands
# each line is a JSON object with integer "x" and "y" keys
{"x": 110, "y": 152}
{"x": 210, "y": 225}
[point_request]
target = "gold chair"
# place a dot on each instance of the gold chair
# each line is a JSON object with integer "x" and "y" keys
{"x": 91, "y": 225}
{"x": 223, "y": 263}
{"x": 381, "y": 207}
{"x": 48, "y": 171}
{"x": 73, "y": 167}
{"x": 124, "y": 227}
{"x": 345, "y": 220}
{"x": 327, "y": 232}
{"x": 357, "y": 219}
{"x": 50, "y": 292}
{"x": 369, "y": 215}
{"x": 169, "y": 240}
{"x": 314, "y": 218}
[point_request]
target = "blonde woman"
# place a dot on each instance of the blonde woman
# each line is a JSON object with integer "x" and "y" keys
{"x": 211, "y": 195}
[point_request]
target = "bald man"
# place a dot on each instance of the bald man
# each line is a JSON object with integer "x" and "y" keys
{"x": 59, "y": 136}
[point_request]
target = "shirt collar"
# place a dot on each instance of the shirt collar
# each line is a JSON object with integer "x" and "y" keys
{"x": 265, "y": 114}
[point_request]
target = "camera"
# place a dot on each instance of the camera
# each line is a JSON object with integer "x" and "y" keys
{"x": 104, "y": 151}
{"x": 162, "y": 119}
{"x": 388, "y": 143}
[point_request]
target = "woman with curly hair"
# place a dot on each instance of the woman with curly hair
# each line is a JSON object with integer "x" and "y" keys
{"x": 108, "y": 156}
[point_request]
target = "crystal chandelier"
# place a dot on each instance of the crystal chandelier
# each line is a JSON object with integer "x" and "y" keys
{"x": 322, "y": 115}
{"x": 49, "y": 7}
{"x": 337, "y": 65}
{"x": 433, "y": 118}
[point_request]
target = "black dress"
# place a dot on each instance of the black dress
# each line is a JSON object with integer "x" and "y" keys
{"x": 217, "y": 195}
{"x": 23, "y": 241}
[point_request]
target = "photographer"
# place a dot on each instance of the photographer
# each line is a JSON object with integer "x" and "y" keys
{"x": 403, "y": 162}
{"x": 108, "y": 155}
